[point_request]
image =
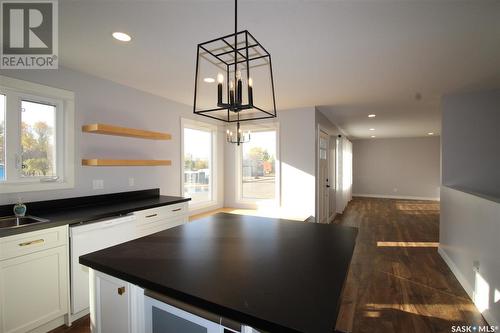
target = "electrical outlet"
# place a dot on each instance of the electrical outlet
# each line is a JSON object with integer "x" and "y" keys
{"x": 97, "y": 184}
{"x": 475, "y": 265}
{"x": 131, "y": 181}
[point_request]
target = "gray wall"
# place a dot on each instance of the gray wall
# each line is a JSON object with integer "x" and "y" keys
{"x": 471, "y": 142}
{"x": 470, "y": 198}
{"x": 402, "y": 167}
{"x": 99, "y": 100}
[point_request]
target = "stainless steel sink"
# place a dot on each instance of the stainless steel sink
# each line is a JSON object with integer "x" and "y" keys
{"x": 14, "y": 222}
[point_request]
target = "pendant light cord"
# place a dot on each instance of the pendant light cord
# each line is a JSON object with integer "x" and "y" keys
{"x": 235, "y": 42}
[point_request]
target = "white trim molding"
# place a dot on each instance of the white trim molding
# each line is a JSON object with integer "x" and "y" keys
{"x": 199, "y": 207}
{"x": 454, "y": 269}
{"x": 402, "y": 197}
{"x": 250, "y": 203}
{"x": 64, "y": 102}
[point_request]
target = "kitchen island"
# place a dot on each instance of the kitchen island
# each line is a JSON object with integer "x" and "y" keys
{"x": 242, "y": 271}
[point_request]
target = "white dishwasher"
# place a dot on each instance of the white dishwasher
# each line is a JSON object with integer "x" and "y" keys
{"x": 87, "y": 238}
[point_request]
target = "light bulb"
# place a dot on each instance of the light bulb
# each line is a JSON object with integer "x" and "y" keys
{"x": 250, "y": 82}
{"x": 231, "y": 85}
{"x": 220, "y": 78}
{"x": 239, "y": 130}
{"x": 227, "y": 131}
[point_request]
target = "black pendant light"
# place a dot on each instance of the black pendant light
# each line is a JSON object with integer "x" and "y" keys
{"x": 242, "y": 70}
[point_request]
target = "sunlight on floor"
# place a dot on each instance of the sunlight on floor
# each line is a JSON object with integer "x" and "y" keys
{"x": 262, "y": 211}
{"x": 406, "y": 206}
{"x": 450, "y": 312}
{"x": 372, "y": 314}
{"x": 408, "y": 244}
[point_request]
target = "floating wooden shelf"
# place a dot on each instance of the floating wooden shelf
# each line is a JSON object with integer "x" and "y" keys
{"x": 106, "y": 162}
{"x": 124, "y": 131}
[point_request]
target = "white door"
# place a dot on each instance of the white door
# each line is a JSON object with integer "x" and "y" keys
{"x": 323, "y": 179}
{"x": 332, "y": 180}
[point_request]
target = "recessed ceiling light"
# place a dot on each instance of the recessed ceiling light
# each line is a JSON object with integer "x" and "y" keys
{"x": 122, "y": 37}
{"x": 372, "y": 129}
{"x": 209, "y": 80}
{"x": 430, "y": 133}
{"x": 373, "y": 136}
{"x": 372, "y": 115}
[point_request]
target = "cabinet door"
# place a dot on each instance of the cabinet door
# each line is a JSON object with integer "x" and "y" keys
{"x": 111, "y": 307}
{"x": 33, "y": 289}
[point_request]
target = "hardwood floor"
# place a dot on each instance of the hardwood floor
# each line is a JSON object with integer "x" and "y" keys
{"x": 397, "y": 281}
{"x": 81, "y": 325}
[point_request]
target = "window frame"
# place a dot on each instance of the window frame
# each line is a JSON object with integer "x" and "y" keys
{"x": 17, "y": 91}
{"x": 249, "y": 202}
{"x": 213, "y": 129}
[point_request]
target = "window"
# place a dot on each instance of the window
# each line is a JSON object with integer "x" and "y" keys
{"x": 198, "y": 178}
{"x": 258, "y": 167}
{"x": 2, "y": 138}
{"x": 38, "y": 140}
{"x": 36, "y": 148}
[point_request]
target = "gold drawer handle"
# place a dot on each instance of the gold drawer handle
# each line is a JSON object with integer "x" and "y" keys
{"x": 33, "y": 242}
{"x": 152, "y": 215}
{"x": 176, "y": 210}
{"x": 121, "y": 291}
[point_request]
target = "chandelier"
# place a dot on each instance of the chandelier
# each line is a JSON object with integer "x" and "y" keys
{"x": 234, "y": 81}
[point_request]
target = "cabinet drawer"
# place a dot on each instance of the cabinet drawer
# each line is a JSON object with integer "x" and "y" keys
{"x": 34, "y": 241}
{"x": 159, "y": 213}
{"x": 160, "y": 225}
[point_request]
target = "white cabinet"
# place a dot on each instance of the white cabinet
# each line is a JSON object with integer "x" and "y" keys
{"x": 91, "y": 237}
{"x": 150, "y": 221}
{"x": 96, "y": 236}
{"x": 116, "y": 306}
{"x": 33, "y": 280}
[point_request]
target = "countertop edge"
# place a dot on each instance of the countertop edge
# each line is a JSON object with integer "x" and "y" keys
{"x": 87, "y": 219}
{"x": 195, "y": 301}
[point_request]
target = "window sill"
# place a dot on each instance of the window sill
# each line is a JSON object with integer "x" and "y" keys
{"x": 34, "y": 186}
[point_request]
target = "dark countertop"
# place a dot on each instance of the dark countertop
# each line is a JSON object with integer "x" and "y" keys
{"x": 86, "y": 209}
{"x": 274, "y": 275}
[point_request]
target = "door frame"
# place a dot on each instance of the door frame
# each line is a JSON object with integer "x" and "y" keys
{"x": 324, "y": 129}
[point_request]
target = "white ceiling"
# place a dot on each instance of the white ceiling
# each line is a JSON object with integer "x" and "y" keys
{"x": 350, "y": 57}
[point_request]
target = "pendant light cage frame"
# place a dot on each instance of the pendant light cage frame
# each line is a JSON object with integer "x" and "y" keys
{"x": 237, "y": 56}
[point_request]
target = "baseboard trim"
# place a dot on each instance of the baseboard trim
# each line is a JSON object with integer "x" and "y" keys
{"x": 465, "y": 284}
{"x": 385, "y": 196}
{"x": 454, "y": 269}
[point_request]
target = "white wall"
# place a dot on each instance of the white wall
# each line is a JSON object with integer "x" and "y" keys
{"x": 99, "y": 100}
{"x": 471, "y": 137}
{"x": 469, "y": 231}
{"x": 297, "y": 164}
{"x": 470, "y": 197}
{"x": 402, "y": 167}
